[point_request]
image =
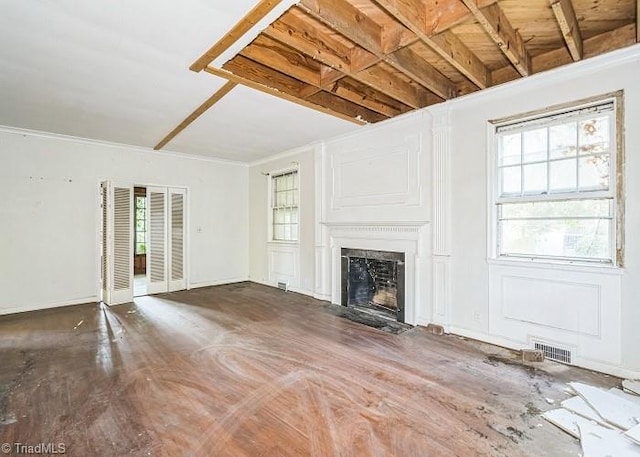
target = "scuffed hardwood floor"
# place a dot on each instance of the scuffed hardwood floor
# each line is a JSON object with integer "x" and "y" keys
{"x": 246, "y": 370}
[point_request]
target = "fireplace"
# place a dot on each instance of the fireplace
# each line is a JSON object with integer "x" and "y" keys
{"x": 374, "y": 280}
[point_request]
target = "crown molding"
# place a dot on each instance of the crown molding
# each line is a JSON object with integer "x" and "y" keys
{"x": 108, "y": 144}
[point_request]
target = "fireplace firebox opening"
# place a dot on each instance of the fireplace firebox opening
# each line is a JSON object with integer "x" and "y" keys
{"x": 374, "y": 280}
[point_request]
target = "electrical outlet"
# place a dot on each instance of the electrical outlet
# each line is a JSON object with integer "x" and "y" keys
{"x": 477, "y": 317}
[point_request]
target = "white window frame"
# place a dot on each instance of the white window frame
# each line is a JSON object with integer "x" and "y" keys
{"x": 615, "y": 191}
{"x": 271, "y": 176}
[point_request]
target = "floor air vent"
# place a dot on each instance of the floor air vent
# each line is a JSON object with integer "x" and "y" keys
{"x": 283, "y": 286}
{"x": 554, "y": 353}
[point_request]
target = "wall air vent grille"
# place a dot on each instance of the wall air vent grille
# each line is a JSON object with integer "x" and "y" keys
{"x": 554, "y": 353}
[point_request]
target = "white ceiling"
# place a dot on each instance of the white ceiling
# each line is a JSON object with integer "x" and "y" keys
{"x": 119, "y": 71}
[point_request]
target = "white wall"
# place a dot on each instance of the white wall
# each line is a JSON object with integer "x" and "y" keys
{"x": 381, "y": 173}
{"x": 50, "y": 215}
{"x": 271, "y": 262}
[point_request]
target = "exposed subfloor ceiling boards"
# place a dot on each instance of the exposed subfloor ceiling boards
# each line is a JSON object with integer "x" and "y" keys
{"x": 370, "y": 60}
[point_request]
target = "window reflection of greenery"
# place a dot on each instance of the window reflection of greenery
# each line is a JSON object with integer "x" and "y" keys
{"x": 570, "y": 157}
{"x": 140, "y": 225}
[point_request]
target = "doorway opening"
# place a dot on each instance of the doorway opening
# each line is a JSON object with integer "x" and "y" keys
{"x": 143, "y": 241}
{"x": 140, "y": 241}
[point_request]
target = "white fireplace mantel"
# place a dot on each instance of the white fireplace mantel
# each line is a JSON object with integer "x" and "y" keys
{"x": 411, "y": 238}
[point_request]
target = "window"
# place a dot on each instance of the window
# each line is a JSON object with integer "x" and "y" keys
{"x": 555, "y": 190}
{"x": 141, "y": 225}
{"x": 284, "y": 206}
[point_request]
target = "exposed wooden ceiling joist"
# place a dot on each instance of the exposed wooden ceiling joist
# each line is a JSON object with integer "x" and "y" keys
{"x": 341, "y": 17}
{"x": 499, "y": 28}
{"x": 368, "y": 108}
{"x": 297, "y": 30}
{"x": 413, "y": 15}
{"x": 366, "y": 96}
{"x": 261, "y": 78}
{"x": 370, "y": 60}
{"x": 568, "y": 22}
{"x": 599, "y": 44}
{"x": 337, "y": 59}
{"x": 422, "y": 72}
{"x": 453, "y": 50}
{"x": 347, "y": 20}
{"x": 284, "y": 59}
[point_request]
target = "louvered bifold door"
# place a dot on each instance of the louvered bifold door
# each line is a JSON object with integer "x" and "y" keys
{"x": 157, "y": 240}
{"x": 177, "y": 219}
{"x": 117, "y": 240}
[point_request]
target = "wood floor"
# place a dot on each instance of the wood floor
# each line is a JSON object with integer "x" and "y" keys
{"x": 246, "y": 370}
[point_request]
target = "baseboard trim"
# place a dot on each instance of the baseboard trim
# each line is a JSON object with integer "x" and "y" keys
{"x": 217, "y": 282}
{"x": 308, "y": 293}
{"x": 601, "y": 367}
{"x": 263, "y": 283}
{"x": 290, "y": 289}
{"x": 79, "y": 301}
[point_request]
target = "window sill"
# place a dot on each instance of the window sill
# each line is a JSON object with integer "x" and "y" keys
{"x": 283, "y": 243}
{"x": 558, "y": 265}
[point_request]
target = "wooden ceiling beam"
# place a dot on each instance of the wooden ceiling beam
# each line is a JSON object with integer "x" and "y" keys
{"x": 423, "y": 73}
{"x": 254, "y": 16}
{"x": 453, "y": 50}
{"x": 395, "y": 87}
{"x": 414, "y": 15}
{"x": 341, "y": 17}
{"x": 329, "y": 76}
{"x": 199, "y": 111}
{"x": 347, "y": 20}
{"x": 283, "y": 59}
{"x": 594, "y": 46}
{"x": 343, "y": 105}
{"x": 288, "y": 61}
{"x": 440, "y": 16}
{"x": 568, "y": 22}
{"x": 296, "y": 31}
{"x": 362, "y": 59}
{"x": 248, "y": 78}
{"x": 395, "y": 36}
{"x": 502, "y": 32}
{"x": 366, "y": 96}
{"x": 599, "y": 44}
{"x": 262, "y": 75}
{"x": 309, "y": 82}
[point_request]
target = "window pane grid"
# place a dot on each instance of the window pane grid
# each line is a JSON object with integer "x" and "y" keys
{"x": 555, "y": 193}
{"x": 284, "y": 206}
{"x": 578, "y": 145}
{"x": 140, "y": 225}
